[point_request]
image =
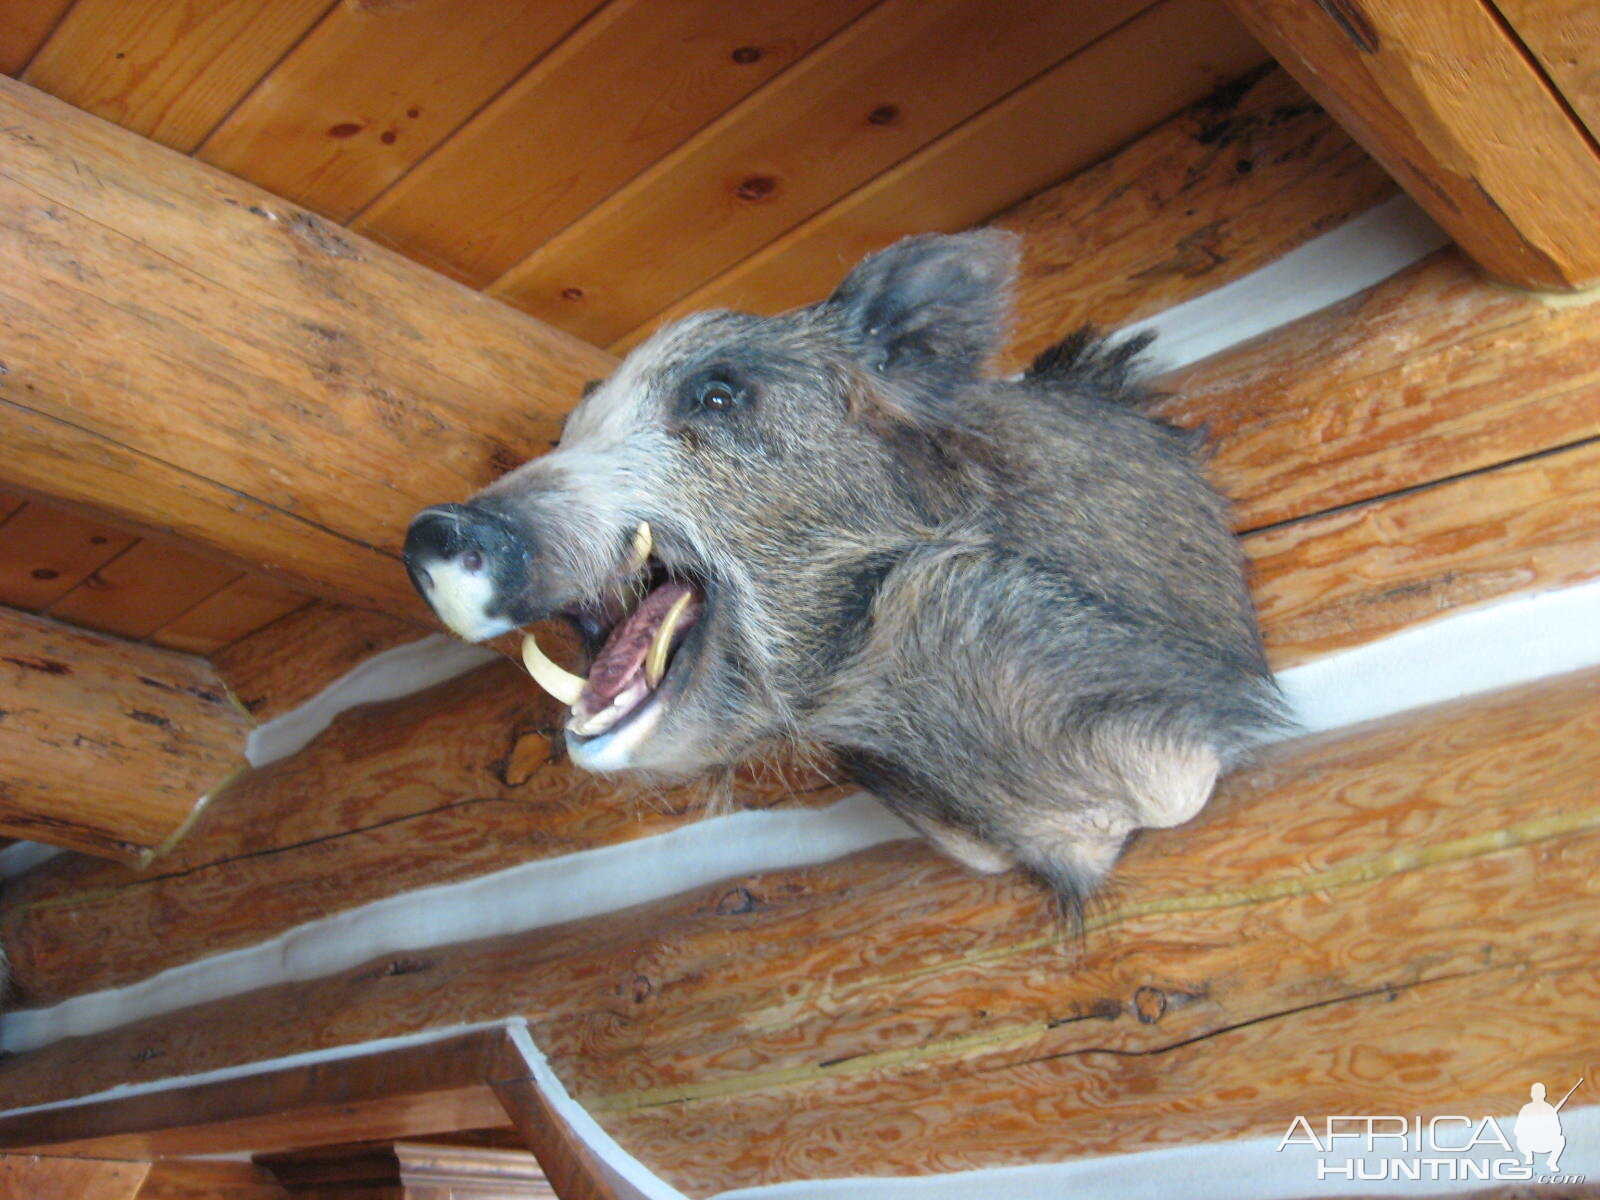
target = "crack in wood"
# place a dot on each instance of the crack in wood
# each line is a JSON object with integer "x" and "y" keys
{"x": 1366, "y": 870}
{"x": 106, "y": 893}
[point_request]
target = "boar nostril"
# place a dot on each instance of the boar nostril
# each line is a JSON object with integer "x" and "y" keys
{"x": 472, "y": 562}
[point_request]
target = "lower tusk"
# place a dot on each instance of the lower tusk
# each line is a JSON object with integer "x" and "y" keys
{"x": 643, "y": 541}
{"x": 655, "y": 662}
{"x": 559, "y": 682}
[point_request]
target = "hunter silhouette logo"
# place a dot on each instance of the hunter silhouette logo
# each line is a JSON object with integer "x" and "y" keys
{"x": 1392, "y": 1147}
{"x": 1538, "y": 1127}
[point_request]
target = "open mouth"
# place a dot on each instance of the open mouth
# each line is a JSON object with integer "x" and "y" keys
{"x": 636, "y": 633}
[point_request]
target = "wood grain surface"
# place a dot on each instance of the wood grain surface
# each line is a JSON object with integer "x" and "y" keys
{"x": 1431, "y": 92}
{"x": 469, "y": 210}
{"x": 334, "y": 387}
{"x": 167, "y": 71}
{"x": 905, "y": 73}
{"x": 1043, "y": 131}
{"x": 106, "y": 746}
{"x": 373, "y": 88}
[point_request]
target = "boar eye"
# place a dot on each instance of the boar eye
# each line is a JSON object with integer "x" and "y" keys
{"x": 717, "y": 395}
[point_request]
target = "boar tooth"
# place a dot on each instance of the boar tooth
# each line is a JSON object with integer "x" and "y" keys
{"x": 655, "y": 662}
{"x": 640, "y": 552}
{"x": 560, "y": 683}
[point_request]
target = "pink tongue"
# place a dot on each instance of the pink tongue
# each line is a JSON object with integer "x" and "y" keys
{"x": 623, "y": 654}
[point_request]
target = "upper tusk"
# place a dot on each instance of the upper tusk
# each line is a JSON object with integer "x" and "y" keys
{"x": 643, "y": 541}
{"x": 655, "y": 662}
{"x": 559, "y": 682}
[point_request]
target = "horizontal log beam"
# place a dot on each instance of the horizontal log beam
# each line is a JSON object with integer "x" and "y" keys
{"x": 439, "y": 1086}
{"x": 1431, "y": 91}
{"x": 743, "y": 1033}
{"x": 187, "y": 353}
{"x": 1430, "y": 375}
{"x": 107, "y": 746}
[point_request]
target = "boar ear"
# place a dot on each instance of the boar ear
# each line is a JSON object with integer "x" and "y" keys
{"x": 933, "y": 308}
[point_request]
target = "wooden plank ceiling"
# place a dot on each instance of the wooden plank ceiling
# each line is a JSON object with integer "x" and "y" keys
{"x": 600, "y": 165}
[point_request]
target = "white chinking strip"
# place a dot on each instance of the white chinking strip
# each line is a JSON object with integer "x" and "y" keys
{"x": 1360, "y": 253}
{"x": 530, "y": 896}
{"x": 386, "y": 676}
{"x": 600, "y": 1143}
{"x": 1497, "y": 646}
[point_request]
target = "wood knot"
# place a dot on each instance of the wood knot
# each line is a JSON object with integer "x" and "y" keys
{"x": 756, "y": 188}
{"x": 1149, "y": 1005}
{"x": 736, "y": 901}
{"x": 641, "y": 988}
{"x": 745, "y": 55}
{"x": 884, "y": 114}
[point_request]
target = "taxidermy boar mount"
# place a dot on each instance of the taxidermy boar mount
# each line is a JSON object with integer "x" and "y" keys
{"x": 1012, "y": 608}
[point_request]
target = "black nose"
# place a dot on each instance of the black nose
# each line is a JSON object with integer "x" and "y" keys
{"x": 476, "y": 540}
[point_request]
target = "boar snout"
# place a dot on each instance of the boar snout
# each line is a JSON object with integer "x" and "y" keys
{"x": 472, "y": 566}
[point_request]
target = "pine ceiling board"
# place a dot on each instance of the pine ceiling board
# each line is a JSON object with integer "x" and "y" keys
{"x": 374, "y": 87}
{"x": 1042, "y": 132}
{"x": 632, "y": 84}
{"x": 140, "y": 591}
{"x": 1563, "y": 35}
{"x": 24, "y": 25}
{"x": 897, "y": 79}
{"x": 45, "y": 552}
{"x": 239, "y": 609}
{"x": 168, "y": 71}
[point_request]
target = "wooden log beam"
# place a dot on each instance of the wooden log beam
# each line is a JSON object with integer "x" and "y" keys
{"x": 37, "y": 1178}
{"x": 1453, "y": 106}
{"x": 1233, "y": 182}
{"x": 107, "y": 746}
{"x": 188, "y": 353}
{"x": 442, "y": 1085}
{"x": 885, "y": 1013}
{"x": 1432, "y": 374}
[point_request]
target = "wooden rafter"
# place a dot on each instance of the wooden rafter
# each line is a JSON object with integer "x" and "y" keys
{"x": 186, "y": 352}
{"x": 1453, "y": 105}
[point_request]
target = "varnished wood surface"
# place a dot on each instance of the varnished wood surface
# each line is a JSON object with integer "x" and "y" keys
{"x": 107, "y": 746}
{"x": 445, "y": 1084}
{"x": 968, "y": 175}
{"x": 483, "y": 138}
{"x": 907, "y": 72}
{"x": 1225, "y": 188}
{"x": 26, "y": 1177}
{"x": 99, "y": 576}
{"x": 334, "y": 387}
{"x": 1413, "y": 927}
{"x": 374, "y": 88}
{"x": 1432, "y": 374}
{"x": 167, "y": 71}
{"x": 180, "y": 1179}
{"x": 1359, "y": 573}
{"x": 472, "y": 211}
{"x": 445, "y": 785}
{"x": 1431, "y": 92}
{"x": 1562, "y": 35}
